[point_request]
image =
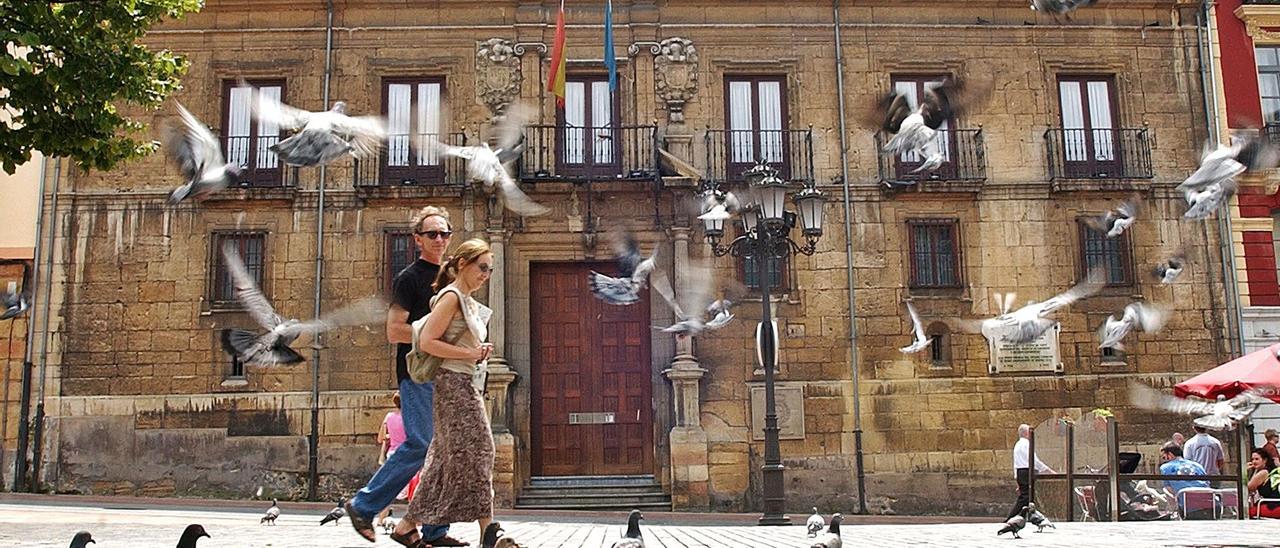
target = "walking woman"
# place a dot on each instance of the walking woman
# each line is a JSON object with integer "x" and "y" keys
{"x": 456, "y": 484}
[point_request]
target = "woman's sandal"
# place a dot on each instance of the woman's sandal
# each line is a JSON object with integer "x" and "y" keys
{"x": 410, "y": 539}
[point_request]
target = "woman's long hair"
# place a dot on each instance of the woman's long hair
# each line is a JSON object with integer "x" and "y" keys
{"x": 1266, "y": 458}
{"x": 466, "y": 254}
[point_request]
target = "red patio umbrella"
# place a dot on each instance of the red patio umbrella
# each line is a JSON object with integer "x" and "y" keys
{"x": 1259, "y": 370}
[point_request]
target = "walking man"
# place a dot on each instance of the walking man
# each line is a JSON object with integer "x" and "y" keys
{"x": 1021, "y": 462}
{"x": 411, "y": 295}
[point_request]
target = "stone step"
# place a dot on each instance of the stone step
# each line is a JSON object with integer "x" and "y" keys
{"x": 592, "y": 481}
{"x": 568, "y": 490}
{"x": 620, "y": 493}
{"x": 598, "y": 506}
{"x": 529, "y": 501}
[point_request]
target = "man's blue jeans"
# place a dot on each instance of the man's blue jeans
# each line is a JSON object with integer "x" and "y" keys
{"x": 415, "y": 408}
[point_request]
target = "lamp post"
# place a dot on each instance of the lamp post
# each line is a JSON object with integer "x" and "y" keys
{"x": 767, "y": 236}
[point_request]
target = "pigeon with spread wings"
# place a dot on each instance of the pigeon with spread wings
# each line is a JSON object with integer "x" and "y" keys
{"x": 633, "y": 273}
{"x": 1220, "y": 415}
{"x": 1032, "y": 320}
{"x": 916, "y": 130}
{"x": 272, "y": 347}
{"x": 491, "y": 166}
{"x": 694, "y": 297}
{"x": 922, "y": 339}
{"x": 198, "y": 155}
{"x": 323, "y": 136}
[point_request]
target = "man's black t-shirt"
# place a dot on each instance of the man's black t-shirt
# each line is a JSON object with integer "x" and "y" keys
{"x": 412, "y": 291}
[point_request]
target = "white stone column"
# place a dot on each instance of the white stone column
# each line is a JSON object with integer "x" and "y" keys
{"x": 689, "y": 466}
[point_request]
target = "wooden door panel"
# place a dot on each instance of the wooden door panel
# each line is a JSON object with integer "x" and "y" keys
{"x": 589, "y": 357}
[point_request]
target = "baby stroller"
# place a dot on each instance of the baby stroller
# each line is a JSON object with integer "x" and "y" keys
{"x": 1134, "y": 506}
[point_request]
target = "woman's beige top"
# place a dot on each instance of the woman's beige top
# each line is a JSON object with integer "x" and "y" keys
{"x": 470, "y": 328}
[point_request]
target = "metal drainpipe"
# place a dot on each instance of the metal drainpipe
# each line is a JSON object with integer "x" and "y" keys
{"x": 313, "y": 442}
{"x": 38, "y": 441}
{"x": 20, "y": 458}
{"x": 1208, "y": 77}
{"x": 848, "y": 250}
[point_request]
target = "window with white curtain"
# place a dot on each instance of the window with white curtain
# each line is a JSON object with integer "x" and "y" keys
{"x": 1088, "y": 129}
{"x": 914, "y": 88}
{"x": 247, "y": 141}
{"x": 1267, "y": 59}
{"x": 412, "y": 108}
{"x": 757, "y": 111}
{"x": 589, "y": 122}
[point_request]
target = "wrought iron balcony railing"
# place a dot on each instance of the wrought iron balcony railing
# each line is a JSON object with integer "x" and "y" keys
{"x": 1117, "y": 153}
{"x": 1272, "y": 130}
{"x": 731, "y": 152}
{"x": 409, "y": 160}
{"x": 568, "y": 153}
{"x": 259, "y": 167}
{"x": 964, "y": 159}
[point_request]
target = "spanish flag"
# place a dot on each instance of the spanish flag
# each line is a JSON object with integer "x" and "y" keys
{"x": 556, "y": 83}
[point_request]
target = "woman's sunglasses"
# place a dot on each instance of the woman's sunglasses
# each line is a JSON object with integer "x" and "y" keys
{"x": 435, "y": 234}
{"x": 486, "y": 268}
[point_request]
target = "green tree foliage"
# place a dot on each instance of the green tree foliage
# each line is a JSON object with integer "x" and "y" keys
{"x": 67, "y": 69}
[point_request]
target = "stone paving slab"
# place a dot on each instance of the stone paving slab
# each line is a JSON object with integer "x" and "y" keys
{"x": 28, "y": 525}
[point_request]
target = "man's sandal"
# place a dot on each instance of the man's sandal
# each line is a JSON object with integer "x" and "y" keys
{"x": 361, "y": 524}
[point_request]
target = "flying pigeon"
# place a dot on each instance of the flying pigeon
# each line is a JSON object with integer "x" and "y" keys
{"x": 272, "y": 513}
{"x": 1013, "y": 525}
{"x": 832, "y": 537}
{"x": 815, "y": 523}
{"x": 1038, "y": 519}
{"x": 199, "y": 157}
{"x": 323, "y": 136}
{"x": 14, "y": 303}
{"x": 694, "y": 298}
{"x": 1171, "y": 268}
{"x": 720, "y": 314}
{"x": 1060, "y": 7}
{"x": 1137, "y": 315}
{"x": 632, "y": 538}
{"x": 719, "y": 205}
{"x": 1113, "y": 223}
{"x": 192, "y": 534}
{"x": 490, "y": 165}
{"x": 922, "y": 340}
{"x": 272, "y": 347}
{"x": 1203, "y": 202}
{"x": 633, "y": 273}
{"x": 1213, "y": 183}
{"x": 81, "y": 539}
{"x": 1029, "y": 322}
{"x": 1220, "y": 415}
{"x": 916, "y": 130}
{"x": 336, "y": 514}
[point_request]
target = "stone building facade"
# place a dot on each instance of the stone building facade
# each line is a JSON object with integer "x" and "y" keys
{"x": 141, "y": 399}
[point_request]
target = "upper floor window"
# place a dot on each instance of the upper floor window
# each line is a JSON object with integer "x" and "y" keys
{"x": 1268, "y": 61}
{"x": 412, "y": 107}
{"x": 1111, "y": 255}
{"x": 251, "y": 245}
{"x": 590, "y": 143}
{"x": 756, "y": 109}
{"x": 247, "y": 140}
{"x": 914, "y": 89}
{"x": 935, "y": 253}
{"x": 401, "y": 251}
{"x": 1089, "y": 134}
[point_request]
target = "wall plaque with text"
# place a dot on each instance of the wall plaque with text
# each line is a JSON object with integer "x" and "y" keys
{"x": 1041, "y": 355}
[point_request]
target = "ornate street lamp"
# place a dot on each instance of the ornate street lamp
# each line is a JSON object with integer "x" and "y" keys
{"x": 767, "y": 237}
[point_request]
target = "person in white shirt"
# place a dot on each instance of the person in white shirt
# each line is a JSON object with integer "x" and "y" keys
{"x": 1206, "y": 450}
{"x": 1021, "y": 464}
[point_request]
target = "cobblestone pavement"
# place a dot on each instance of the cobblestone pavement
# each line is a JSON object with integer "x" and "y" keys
{"x": 36, "y": 525}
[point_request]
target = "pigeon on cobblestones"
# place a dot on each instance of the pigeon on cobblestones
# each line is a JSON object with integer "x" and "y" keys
{"x": 1220, "y": 415}
{"x": 272, "y": 513}
{"x": 1038, "y": 519}
{"x": 14, "y": 303}
{"x": 831, "y": 539}
{"x": 1013, "y": 525}
{"x": 192, "y": 534}
{"x": 336, "y": 514}
{"x": 272, "y": 347}
{"x": 922, "y": 339}
{"x": 490, "y": 165}
{"x": 1137, "y": 315}
{"x": 815, "y": 523}
{"x": 1169, "y": 270}
{"x": 633, "y": 273}
{"x": 199, "y": 157}
{"x": 494, "y": 537}
{"x": 389, "y": 523}
{"x": 632, "y": 538}
{"x": 1113, "y": 223}
{"x": 323, "y": 136}
{"x": 82, "y": 539}
{"x": 1029, "y": 322}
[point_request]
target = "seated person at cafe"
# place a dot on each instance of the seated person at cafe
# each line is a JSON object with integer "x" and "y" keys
{"x": 1264, "y": 484}
{"x": 1174, "y": 464}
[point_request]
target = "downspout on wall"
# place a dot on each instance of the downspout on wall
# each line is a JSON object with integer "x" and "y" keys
{"x": 37, "y": 442}
{"x": 848, "y": 250}
{"x": 313, "y": 441}
{"x": 24, "y": 417}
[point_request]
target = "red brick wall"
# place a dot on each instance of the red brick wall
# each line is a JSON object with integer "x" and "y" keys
{"x": 1239, "y": 74}
{"x": 12, "y": 350}
{"x": 1260, "y": 264}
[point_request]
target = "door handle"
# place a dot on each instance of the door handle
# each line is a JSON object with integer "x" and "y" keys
{"x": 637, "y": 414}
